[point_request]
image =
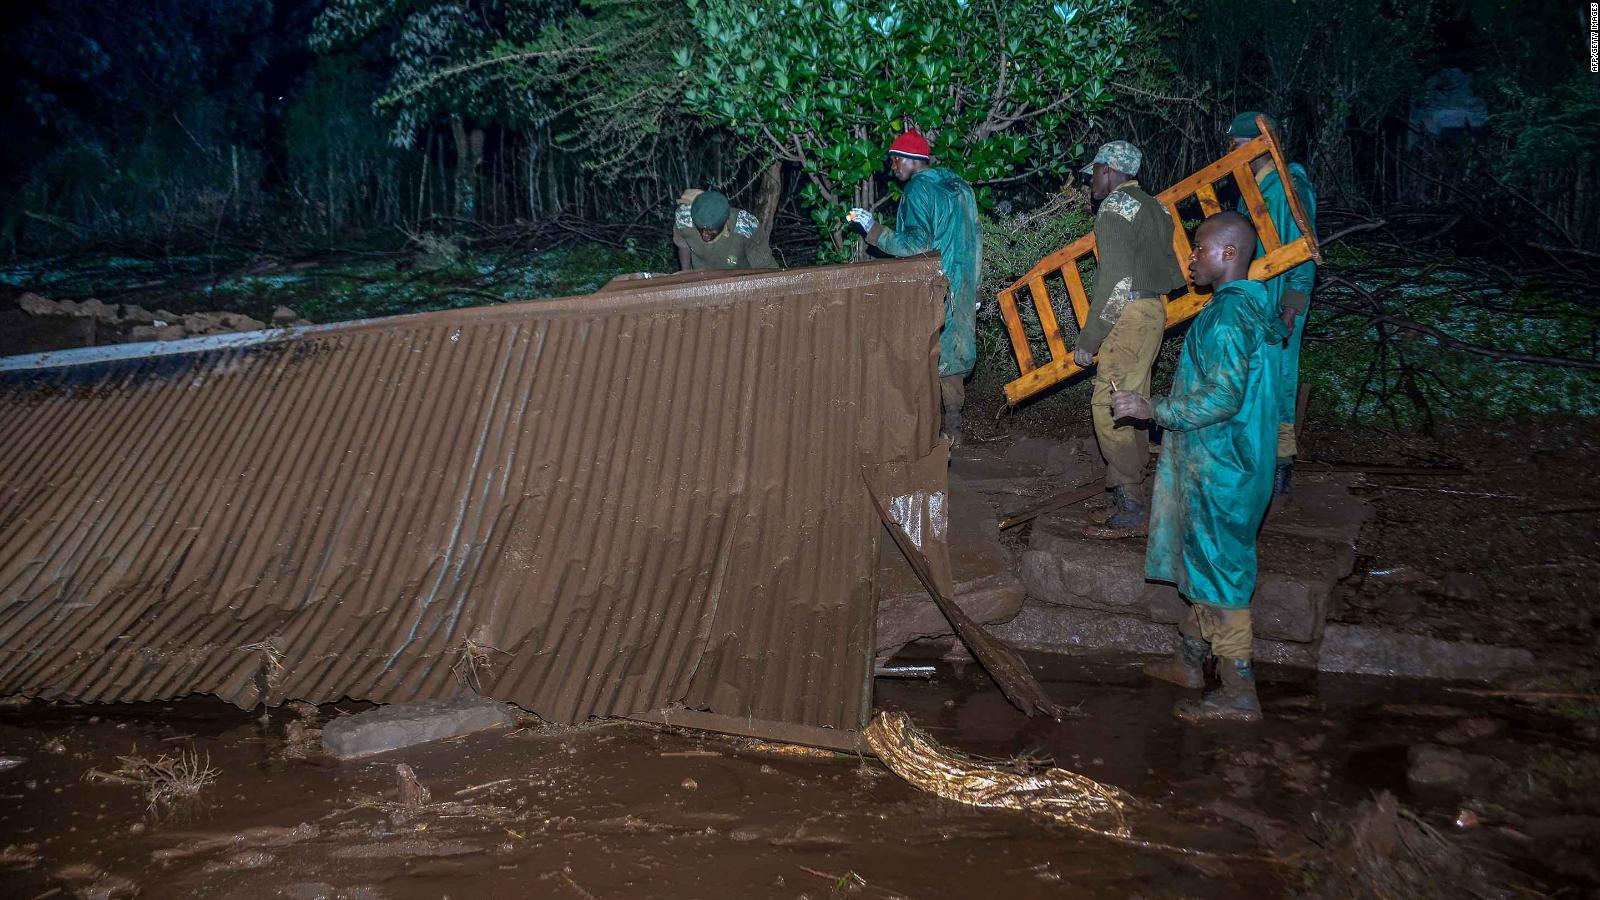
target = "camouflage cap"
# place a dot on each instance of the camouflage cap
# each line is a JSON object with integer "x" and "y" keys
{"x": 1119, "y": 155}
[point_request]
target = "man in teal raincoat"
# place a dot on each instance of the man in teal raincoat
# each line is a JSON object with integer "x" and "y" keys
{"x": 937, "y": 212}
{"x": 1290, "y": 292}
{"x": 1214, "y": 480}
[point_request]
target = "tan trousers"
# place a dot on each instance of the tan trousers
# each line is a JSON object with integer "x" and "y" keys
{"x": 1287, "y": 447}
{"x": 1126, "y": 357}
{"x": 1226, "y": 630}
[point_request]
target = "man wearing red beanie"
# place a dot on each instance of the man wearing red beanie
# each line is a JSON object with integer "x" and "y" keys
{"x": 937, "y": 212}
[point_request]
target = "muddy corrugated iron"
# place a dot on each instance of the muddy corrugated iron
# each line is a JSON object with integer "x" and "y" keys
{"x": 608, "y": 505}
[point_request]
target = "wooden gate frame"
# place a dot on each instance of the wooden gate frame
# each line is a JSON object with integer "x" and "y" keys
{"x": 1279, "y": 258}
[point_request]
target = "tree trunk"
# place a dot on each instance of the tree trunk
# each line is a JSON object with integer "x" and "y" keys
{"x": 469, "y": 155}
{"x": 767, "y": 197}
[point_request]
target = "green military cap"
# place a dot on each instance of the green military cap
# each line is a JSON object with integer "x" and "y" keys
{"x": 1119, "y": 155}
{"x": 1244, "y": 125}
{"x": 709, "y": 210}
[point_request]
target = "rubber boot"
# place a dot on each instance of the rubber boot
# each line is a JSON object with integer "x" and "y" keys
{"x": 1186, "y": 666}
{"x": 1131, "y": 511}
{"x": 1282, "y": 479}
{"x": 1107, "y": 507}
{"x": 1234, "y": 701}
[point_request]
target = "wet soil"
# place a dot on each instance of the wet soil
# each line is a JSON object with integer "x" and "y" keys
{"x": 623, "y": 810}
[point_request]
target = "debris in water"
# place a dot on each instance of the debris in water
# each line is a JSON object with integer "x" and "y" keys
{"x": 413, "y": 795}
{"x": 1063, "y": 796}
{"x": 1385, "y": 850}
{"x": 168, "y": 781}
{"x": 10, "y": 762}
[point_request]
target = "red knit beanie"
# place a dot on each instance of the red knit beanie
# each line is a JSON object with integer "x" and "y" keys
{"x": 912, "y": 146}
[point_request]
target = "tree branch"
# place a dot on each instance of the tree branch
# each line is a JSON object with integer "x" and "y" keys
{"x": 1377, "y": 317}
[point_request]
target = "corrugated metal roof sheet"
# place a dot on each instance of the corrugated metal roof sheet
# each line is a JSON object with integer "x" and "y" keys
{"x": 626, "y": 501}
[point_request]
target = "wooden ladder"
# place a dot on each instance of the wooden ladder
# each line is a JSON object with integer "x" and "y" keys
{"x": 1063, "y": 263}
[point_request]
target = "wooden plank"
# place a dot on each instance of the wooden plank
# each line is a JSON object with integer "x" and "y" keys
{"x": 1041, "y": 378}
{"x": 1066, "y": 498}
{"x": 1280, "y": 260}
{"x": 1072, "y": 252}
{"x": 1297, "y": 208}
{"x": 1047, "y": 318}
{"x": 1075, "y": 291}
{"x": 1216, "y": 171}
{"x": 1019, "y": 337}
{"x": 1266, "y": 230}
{"x": 1207, "y": 195}
{"x": 1181, "y": 248}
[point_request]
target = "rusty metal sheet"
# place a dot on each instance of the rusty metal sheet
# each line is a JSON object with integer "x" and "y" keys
{"x": 604, "y": 505}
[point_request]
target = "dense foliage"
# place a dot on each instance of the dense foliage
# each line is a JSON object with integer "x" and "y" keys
{"x": 1001, "y": 90}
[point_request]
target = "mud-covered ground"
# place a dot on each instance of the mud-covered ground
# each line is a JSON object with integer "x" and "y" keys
{"x": 1499, "y": 790}
{"x": 623, "y": 810}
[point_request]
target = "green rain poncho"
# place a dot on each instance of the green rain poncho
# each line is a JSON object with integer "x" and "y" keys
{"x": 938, "y": 212}
{"x": 1292, "y": 288}
{"x": 1215, "y": 475}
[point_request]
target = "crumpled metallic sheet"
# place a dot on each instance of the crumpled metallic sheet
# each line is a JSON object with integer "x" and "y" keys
{"x": 1057, "y": 794}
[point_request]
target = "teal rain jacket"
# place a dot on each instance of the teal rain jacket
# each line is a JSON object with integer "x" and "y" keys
{"x": 1215, "y": 476}
{"x": 1292, "y": 288}
{"x": 938, "y": 212}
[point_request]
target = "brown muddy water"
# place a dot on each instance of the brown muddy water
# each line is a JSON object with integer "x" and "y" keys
{"x": 622, "y": 810}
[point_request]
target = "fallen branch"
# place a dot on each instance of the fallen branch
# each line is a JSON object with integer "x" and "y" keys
{"x": 1066, "y": 498}
{"x": 1444, "y": 339}
{"x": 1524, "y": 695}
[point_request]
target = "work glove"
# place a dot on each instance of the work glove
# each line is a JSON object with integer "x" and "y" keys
{"x": 1084, "y": 358}
{"x": 1131, "y": 405}
{"x": 861, "y": 217}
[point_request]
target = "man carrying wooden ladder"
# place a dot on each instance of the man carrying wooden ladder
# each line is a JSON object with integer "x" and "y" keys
{"x": 1137, "y": 269}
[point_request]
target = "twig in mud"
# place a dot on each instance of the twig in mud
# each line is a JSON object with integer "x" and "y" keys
{"x": 478, "y": 787}
{"x": 474, "y": 658}
{"x": 689, "y": 753}
{"x": 1490, "y": 494}
{"x": 569, "y": 881}
{"x": 169, "y": 781}
{"x": 271, "y": 674}
{"x": 1524, "y": 695}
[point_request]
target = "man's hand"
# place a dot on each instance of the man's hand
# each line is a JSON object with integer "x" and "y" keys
{"x": 1083, "y": 358}
{"x": 1131, "y": 405}
{"x": 861, "y": 217}
{"x": 1286, "y": 315}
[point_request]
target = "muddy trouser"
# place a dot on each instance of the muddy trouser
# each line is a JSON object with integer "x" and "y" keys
{"x": 1126, "y": 357}
{"x": 1226, "y": 630}
{"x": 952, "y": 396}
{"x": 1286, "y": 442}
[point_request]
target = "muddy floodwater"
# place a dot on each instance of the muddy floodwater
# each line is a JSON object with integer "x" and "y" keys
{"x": 622, "y": 810}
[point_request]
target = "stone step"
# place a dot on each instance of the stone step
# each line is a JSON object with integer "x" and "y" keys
{"x": 1298, "y": 568}
{"x": 1083, "y": 632}
{"x": 1364, "y": 650}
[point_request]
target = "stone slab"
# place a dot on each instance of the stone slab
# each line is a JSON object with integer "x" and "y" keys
{"x": 1322, "y": 508}
{"x": 1062, "y": 567}
{"x": 1074, "y": 632}
{"x": 401, "y": 725}
{"x": 1364, "y": 650}
{"x": 1295, "y": 581}
{"x": 986, "y": 586}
